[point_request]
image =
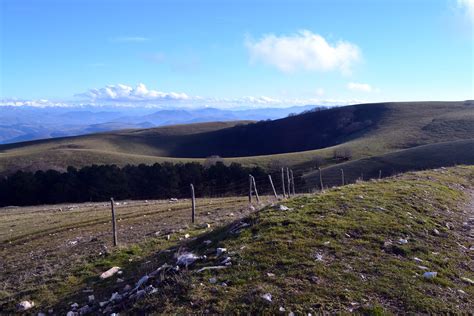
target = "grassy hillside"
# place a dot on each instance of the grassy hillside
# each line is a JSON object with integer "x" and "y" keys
{"x": 368, "y": 129}
{"x": 362, "y": 247}
{"x": 417, "y": 158}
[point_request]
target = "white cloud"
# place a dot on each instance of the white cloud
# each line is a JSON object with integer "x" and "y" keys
{"x": 468, "y": 7}
{"x": 129, "y": 39}
{"x": 40, "y": 103}
{"x": 361, "y": 87}
{"x": 303, "y": 51}
{"x": 124, "y": 93}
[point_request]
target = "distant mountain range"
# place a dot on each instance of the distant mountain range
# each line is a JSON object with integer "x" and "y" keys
{"x": 26, "y": 123}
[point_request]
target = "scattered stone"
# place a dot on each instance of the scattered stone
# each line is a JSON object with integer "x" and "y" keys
{"x": 119, "y": 280}
{"x": 172, "y": 200}
{"x": 435, "y": 231}
{"x": 430, "y": 275}
{"x": 127, "y": 288}
{"x": 361, "y": 197}
{"x": 116, "y": 297}
{"x": 467, "y": 280}
{"x": 91, "y": 298}
{"x": 187, "y": 236}
{"x": 71, "y": 313}
{"x": 223, "y": 284}
{"x": 187, "y": 259}
{"x": 282, "y": 309}
{"x": 86, "y": 309}
{"x": 461, "y": 292}
{"x": 102, "y": 304}
{"x": 207, "y": 242}
{"x": 211, "y": 268}
{"x": 291, "y": 314}
{"x": 252, "y": 208}
{"x": 318, "y": 257}
{"x": 167, "y": 237}
{"x": 422, "y": 267}
{"x": 74, "y": 305}
{"x": 402, "y": 241}
{"x": 220, "y": 251}
{"x": 270, "y": 275}
{"x": 267, "y": 297}
{"x": 227, "y": 259}
{"x": 25, "y": 305}
{"x": 213, "y": 280}
{"x": 109, "y": 273}
{"x": 327, "y": 243}
{"x": 417, "y": 259}
{"x": 283, "y": 208}
{"x": 142, "y": 281}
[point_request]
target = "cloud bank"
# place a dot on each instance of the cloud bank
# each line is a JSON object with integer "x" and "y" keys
{"x": 468, "y": 7}
{"x": 124, "y": 93}
{"x": 303, "y": 51}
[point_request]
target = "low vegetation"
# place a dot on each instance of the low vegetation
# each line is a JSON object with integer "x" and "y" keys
{"x": 363, "y": 247}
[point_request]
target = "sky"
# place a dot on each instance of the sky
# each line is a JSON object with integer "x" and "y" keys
{"x": 234, "y": 53}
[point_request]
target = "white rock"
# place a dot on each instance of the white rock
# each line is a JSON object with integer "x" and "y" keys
{"x": 436, "y": 231}
{"x": 220, "y": 251}
{"x": 422, "y": 267}
{"x": 284, "y": 208}
{"x": 270, "y": 275}
{"x": 25, "y": 305}
{"x": 142, "y": 280}
{"x": 282, "y": 309}
{"x": 291, "y": 314}
{"x": 430, "y": 275}
{"x": 213, "y": 280}
{"x": 74, "y": 305}
{"x": 186, "y": 236}
{"x": 91, "y": 298}
{"x": 109, "y": 273}
{"x": 417, "y": 259}
{"x": 186, "y": 259}
{"x": 467, "y": 280}
{"x": 267, "y": 297}
{"x": 402, "y": 241}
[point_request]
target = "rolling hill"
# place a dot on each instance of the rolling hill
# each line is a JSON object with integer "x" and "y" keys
{"x": 366, "y": 129}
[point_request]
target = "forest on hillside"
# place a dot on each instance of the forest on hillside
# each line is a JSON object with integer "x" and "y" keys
{"x": 101, "y": 182}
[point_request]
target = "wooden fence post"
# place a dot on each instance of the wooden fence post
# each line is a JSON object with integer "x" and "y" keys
{"x": 320, "y": 179}
{"x": 273, "y": 187}
{"x": 193, "y": 205}
{"x": 250, "y": 188}
{"x": 342, "y": 176}
{"x": 380, "y": 174}
{"x": 292, "y": 182}
{"x": 255, "y": 189}
{"x": 114, "y": 227}
{"x": 283, "y": 182}
{"x": 289, "y": 181}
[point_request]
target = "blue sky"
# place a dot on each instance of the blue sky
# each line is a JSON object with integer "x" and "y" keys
{"x": 235, "y": 53}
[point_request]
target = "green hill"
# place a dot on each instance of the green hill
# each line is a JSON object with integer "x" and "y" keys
{"x": 365, "y": 129}
{"x": 417, "y": 158}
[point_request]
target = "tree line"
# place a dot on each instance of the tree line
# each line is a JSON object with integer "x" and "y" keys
{"x": 101, "y": 182}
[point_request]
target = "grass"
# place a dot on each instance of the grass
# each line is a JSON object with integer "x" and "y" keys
{"x": 354, "y": 229}
{"x": 368, "y": 129}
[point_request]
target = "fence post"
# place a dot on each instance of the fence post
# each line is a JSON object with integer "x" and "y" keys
{"x": 250, "y": 188}
{"x": 273, "y": 187}
{"x": 193, "y": 199}
{"x": 292, "y": 181}
{"x": 283, "y": 182}
{"x": 289, "y": 181}
{"x": 114, "y": 227}
{"x": 255, "y": 189}
{"x": 380, "y": 174}
{"x": 320, "y": 179}
{"x": 342, "y": 176}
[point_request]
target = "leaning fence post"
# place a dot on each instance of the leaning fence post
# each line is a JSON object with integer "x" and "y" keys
{"x": 342, "y": 176}
{"x": 250, "y": 188}
{"x": 320, "y": 179}
{"x": 283, "y": 182}
{"x": 292, "y": 182}
{"x": 289, "y": 181}
{"x": 255, "y": 189}
{"x": 114, "y": 228}
{"x": 193, "y": 199}
{"x": 273, "y": 187}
